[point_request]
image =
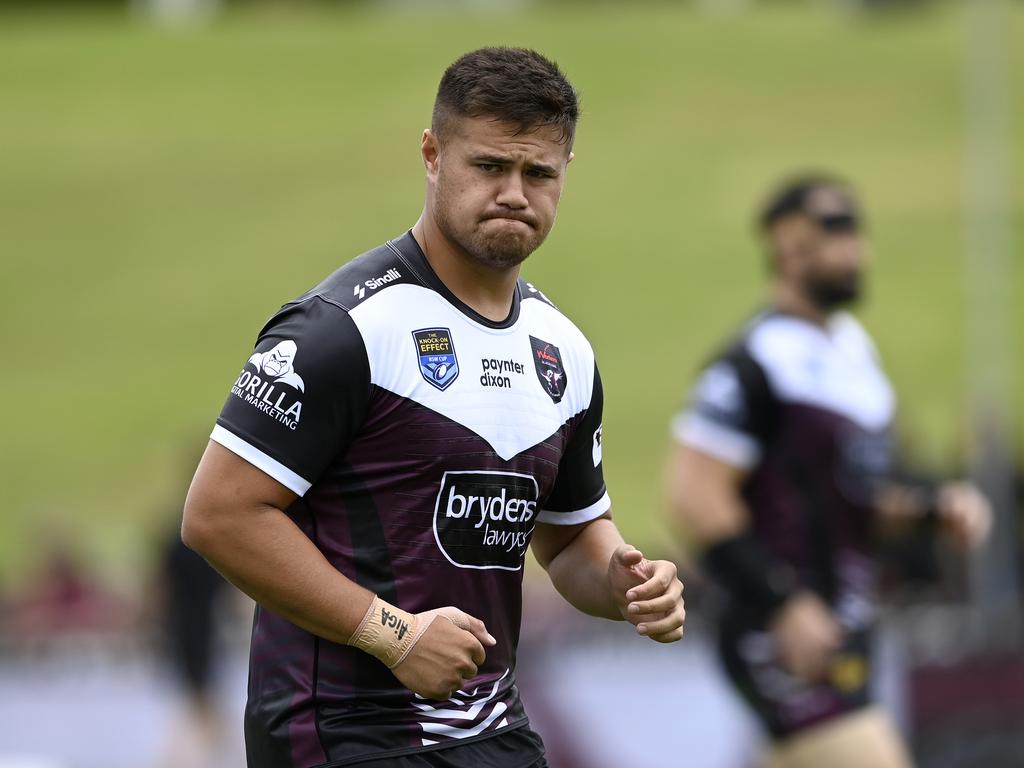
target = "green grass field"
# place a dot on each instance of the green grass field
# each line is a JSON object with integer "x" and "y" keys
{"x": 162, "y": 193}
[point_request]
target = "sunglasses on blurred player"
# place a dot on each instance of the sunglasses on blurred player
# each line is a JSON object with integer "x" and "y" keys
{"x": 845, "y": 222}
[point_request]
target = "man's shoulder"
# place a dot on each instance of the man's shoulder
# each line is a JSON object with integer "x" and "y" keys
{"x": 735, "y": 350}
{"x": 541, "y": 311}
{"x": 367, "y": 275}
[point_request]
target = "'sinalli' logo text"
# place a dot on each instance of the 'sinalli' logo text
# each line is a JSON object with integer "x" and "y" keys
{"x": 376, "y": 282}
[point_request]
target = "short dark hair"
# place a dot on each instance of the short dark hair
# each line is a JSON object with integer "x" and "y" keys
{"x": 792, "y": 195}
{"x": 512, "y": 85}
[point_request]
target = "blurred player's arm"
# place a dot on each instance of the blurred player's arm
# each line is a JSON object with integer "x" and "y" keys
{"x": 706, "y": 505}
{"x": 598, "y": 573}
{"x": 958, "y": 507}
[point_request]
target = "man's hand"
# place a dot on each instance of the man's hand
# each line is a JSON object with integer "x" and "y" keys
{"x": 648, "y": 594}
{"x": 964, "y": 513}
{"x": 448, "y": 651}
{"x": 807, "y": 636}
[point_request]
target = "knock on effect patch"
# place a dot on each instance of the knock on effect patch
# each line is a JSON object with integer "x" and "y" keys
{"x": 438, "y": 363}
{"x": 548, "y": 363}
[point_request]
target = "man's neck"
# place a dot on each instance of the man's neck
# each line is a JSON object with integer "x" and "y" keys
{"x": 487, "y": 291}
{"x": 792, "y": 301}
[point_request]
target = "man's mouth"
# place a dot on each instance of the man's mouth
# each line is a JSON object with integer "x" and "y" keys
{"x": 520, "y": 219}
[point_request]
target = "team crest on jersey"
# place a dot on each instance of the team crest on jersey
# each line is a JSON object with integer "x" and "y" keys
{"x": 548, "y": 362}
{"x": 438, "y": 363}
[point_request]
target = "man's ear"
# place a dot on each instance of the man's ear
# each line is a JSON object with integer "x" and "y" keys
{"x": 571, "y": 156}
{"x": 430, "y": 151}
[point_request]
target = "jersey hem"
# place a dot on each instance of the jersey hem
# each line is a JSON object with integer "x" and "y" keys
{"x": 356, "y": 760}
{"x": 585, "y": 515}
{"x": 260, "y": 460}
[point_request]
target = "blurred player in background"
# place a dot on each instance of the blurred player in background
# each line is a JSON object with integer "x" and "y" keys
{"x": 401, "y": 434}
{"x": 189, "y": 593}
{"x": 782, "y": 475}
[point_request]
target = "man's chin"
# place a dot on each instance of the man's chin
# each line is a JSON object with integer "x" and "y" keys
{"x": 505, "y": 252}
{"x": 829, "y": 300}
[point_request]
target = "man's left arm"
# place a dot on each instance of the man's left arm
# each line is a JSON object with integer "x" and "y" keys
{"x": 597, "y": 572}
{"x": 583, "y": 552}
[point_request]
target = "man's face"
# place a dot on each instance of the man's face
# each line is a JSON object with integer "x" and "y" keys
{"x": 822, "y": 250}
{"x": 492, "y": 192}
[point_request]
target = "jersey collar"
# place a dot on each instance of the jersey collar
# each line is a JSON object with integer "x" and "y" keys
{"x": 411, "y": 252}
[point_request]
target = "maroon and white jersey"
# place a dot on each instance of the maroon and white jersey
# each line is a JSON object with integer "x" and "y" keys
{"x": 807, "y": 410}
{"x": 425, "y": 443}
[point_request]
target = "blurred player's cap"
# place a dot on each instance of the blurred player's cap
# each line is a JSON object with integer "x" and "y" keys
{"x": 825, "y": 199}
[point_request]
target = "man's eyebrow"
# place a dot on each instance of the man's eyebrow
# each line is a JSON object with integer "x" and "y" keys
{"x": 544, "y": 168}
{"x": 503, "y": 160}
{"x": 492, "y": 159}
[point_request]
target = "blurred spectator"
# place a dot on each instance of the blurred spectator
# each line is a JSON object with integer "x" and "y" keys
{"x": 64, "y": 604}
{"x": 191, "y": 602}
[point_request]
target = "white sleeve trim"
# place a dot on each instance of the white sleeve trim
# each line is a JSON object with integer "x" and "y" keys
{"x": 260, "y": 460}
{"x": 728, "y": 445}
{"x": 584, "y": 515}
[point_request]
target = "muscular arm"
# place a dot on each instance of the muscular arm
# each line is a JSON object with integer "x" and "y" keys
{"x": 598, "y": 573}
{"x": 576, "y": 558}
{"x": 234, "y": 518}
{"x": 704, "y": 496}
{"x": 706, "y": 503}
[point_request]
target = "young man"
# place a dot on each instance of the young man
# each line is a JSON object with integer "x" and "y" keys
{"x": 782, "y": 475}
{"x": 400, "y": 436}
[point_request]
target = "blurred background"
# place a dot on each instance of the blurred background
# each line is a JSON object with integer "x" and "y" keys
{"x": 171, "y": 171}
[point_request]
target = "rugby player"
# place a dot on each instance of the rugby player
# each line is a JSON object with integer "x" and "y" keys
{"x": 399, "y": 437}
{"x": 781, "y": 473}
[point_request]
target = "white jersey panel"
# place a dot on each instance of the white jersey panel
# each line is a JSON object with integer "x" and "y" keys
{"x": 835, "y": 368}
{"x": 497, "y": 391}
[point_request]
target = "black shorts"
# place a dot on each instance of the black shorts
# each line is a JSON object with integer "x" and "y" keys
{"x": 785, "y": 704}
{"x": 518, "y": 748}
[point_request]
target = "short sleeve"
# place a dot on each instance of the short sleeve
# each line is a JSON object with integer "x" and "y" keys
{"x": 730, "y": 412}
{"x": 301, "y": 395}
{"x": 579, "y": 494}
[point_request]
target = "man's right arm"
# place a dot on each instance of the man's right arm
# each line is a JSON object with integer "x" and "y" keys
{"x": 310, "y": 367}
{"x": 234, "y": 517}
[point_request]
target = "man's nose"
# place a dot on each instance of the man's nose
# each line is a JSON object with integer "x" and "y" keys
{"x": 511, "y": 194}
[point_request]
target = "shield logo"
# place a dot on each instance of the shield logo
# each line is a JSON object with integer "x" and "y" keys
{"x": 548, "y": 363}
{"x": 438, "y": 363}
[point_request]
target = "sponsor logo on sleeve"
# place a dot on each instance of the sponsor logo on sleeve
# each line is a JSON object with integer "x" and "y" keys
{"x": 484, "y": 519}
{"x": 548, "y": 362}
{"x": 598, "y": 443}
{"x": 436, "y": 353}
{"x": 720, "y": 396}
{"x": 359, "y": 290}
{"x": 272, "y": 386}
